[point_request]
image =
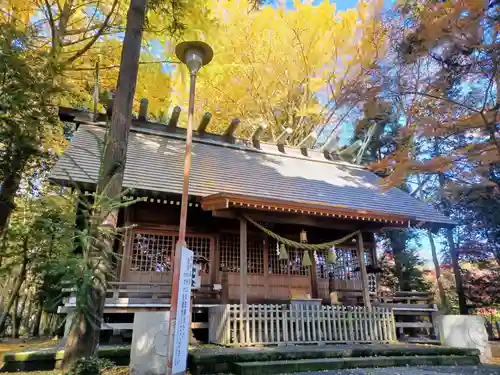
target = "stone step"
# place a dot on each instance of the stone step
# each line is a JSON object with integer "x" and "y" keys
{"x": 422, "y": 340}
{"x": 304, "y": 365}
{"x": 218, "y": 360}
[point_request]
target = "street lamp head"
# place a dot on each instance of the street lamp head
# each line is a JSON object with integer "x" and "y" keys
{"x": 194, "y": 54}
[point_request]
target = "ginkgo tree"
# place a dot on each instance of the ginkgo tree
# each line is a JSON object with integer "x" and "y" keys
{"x": 66, "y": 39}
{"x": 303, "y": 68}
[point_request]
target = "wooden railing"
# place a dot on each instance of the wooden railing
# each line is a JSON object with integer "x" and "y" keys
{"x": 413, "y": 312}
{"x": 154, "y": 290}
{"x": 236, "y": 325}
{"x": 125, "y": 289}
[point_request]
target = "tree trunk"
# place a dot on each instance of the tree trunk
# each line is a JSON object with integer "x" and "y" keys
{"x": 15, "y": 318}
{"x": 5, "y": 290}
{"x": 37, "y": 322}
{"x": 48, "y": 329}
{"x": 442, "y": 293}
{"x": 445, "y": 203}
{"x": 27, "y": 316}
{"x": 84, "y": 334}
{"x": 19, "y": 309}
{"x": 8, "y": 192}
{"x": 43, "y": 324}
{"x": 462, "y": 303}
{"x": 17, "y": 286}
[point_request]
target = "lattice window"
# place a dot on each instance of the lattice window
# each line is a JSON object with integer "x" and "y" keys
{"x": 229, "y": 247}
{"x": 276, "y": 266}
{"x": 255, "y": 256}
{"x": 372, "y": 278}
{"x": 200, "y": 246}
{"x": 322, "y": 268}
{"x": 152, "y": 252}
{"x": 347, "y": 262}
{"x": 283, "y": 267}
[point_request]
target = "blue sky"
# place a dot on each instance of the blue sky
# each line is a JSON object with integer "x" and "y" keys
{"x": 341, "y": 4}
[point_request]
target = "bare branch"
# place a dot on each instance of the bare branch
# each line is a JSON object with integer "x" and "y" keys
{"x": 85, "y": 48}
{"x": 52, "y": 24}
{"x": 83, "y": 31}
{"x": 443, "y": 99}
{"x": 118, "y": 65}
{"x": 81, "y": 40}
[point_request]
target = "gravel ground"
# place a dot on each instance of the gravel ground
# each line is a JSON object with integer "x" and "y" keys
{"x": 424, "y": 370}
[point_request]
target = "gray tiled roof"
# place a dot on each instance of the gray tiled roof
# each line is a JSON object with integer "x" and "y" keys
{"x": 155, "y": 162}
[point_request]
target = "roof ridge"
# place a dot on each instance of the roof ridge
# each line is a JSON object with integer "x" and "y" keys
{"x": 240, "y": 144}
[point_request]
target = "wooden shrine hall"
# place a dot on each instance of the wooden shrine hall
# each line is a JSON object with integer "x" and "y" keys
{"x": 250, "y": 203}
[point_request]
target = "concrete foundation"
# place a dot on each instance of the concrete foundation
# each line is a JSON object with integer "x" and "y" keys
{"x": 148, "y": 352}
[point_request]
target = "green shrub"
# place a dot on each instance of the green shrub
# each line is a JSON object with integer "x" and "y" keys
{"x": 90, "y": 366}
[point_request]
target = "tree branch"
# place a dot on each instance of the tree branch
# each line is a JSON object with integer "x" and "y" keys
{"x": 118, "y": 65}
{"x": 441, "y": 98}
{"x": 85, "y": 48}
{"x": 51, "y": 24}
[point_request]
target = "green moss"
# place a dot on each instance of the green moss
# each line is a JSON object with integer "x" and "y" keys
{"x": 274, "y": 367}
{"x": 105, "y": 352}
{"x": 267, "y": 354}
{"x": 34, "y": 356}
{"x": 48, "y": 359}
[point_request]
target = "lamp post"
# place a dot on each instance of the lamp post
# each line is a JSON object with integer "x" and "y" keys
{"x": 194, "y": 54}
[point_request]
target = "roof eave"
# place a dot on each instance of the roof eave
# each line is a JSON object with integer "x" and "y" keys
{"x": 224, "y": 201}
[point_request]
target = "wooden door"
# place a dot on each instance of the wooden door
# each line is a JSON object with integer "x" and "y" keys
{"x": 286, "y": 279}
{"x": 151, "y": 254}
{"x": 150, "y": 259}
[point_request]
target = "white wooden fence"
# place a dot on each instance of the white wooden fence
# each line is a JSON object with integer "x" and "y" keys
{"x": 236, "y": 325}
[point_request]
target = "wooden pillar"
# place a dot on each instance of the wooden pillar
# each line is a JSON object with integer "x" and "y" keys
{"x": 266, "y": 268}
{"x": 364, "y": 275}
{"x": 373, "y": 250}
{"x": 314, "y": 277}
{"x": 224, "y": 293}
{"x": 215, "y": 265}
{"x": 243, "y": 263}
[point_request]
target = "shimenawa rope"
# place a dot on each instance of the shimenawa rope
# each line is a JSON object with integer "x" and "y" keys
{"x": 300, "y": 245}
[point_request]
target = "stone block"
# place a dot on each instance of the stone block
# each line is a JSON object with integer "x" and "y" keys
{"x": 148, "y": 354}
{"x": 464, "y": 331}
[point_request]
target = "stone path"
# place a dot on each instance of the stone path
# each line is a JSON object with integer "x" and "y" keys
{"x": 424, "y": 370}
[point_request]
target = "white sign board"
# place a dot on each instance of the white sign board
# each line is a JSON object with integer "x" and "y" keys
{"x": 182, "y": 317}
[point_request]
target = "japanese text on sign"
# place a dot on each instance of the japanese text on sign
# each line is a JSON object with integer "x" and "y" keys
{"x": 196, "y": 277}
{"x": 181, "y": 338}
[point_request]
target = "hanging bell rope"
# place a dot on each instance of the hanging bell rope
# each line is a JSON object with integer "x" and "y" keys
{"x": 283, "y": 253}
{"x": 331, "y": 256}
{"x": 306, "y": 259}
{"x": 300, "y": 245}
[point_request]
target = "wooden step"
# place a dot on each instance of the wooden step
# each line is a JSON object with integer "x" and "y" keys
{"x": 305, "y": 365}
